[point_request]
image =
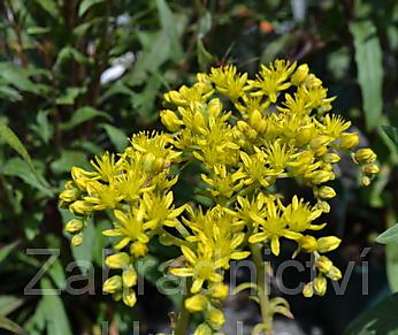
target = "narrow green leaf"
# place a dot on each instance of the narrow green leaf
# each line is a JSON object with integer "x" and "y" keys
{"x": 9, "y": 303}
{"x": 18, "y": 77}
{"x": 57, "y": 322}
{"x": 43, "y": 128}
{"x": 86, "y": 5}
{"x": 389, "y": 236}
{"x": 392, "y": 133}
{"x": 380, "y": 319}
{"x": 6, "y": 250}
{"x": 84, "y": 253}
{"x": 50, "y": 6}
{"x": 169, "y": 26}
{"x": 368, "y": 57}
{"x": 10, "y": 325}
{"x": 69, "y": 159}
{"x": 204, "y": 57}
{"x": 70, "y": 95}
{"x": 82, "y": 115}
{"x": 8, "y": 136}
{"x": 19, "y": 168}
{"x": 117, "y": 137}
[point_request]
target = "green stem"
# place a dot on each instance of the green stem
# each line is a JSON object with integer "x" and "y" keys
{"x": 262, "y": 286}
{"x": 183, "y": 320}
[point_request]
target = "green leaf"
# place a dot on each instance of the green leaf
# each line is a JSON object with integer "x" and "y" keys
{"x": 117, "y": 137}
{"x": 69, "y": 159}
{"x": 84, "y": 253}
{"x": 86, "y": 5}
{"x": 68, "y": 53}
{"x": 392, "y": 255}
{"x": 169, "y": 26}
{"x": 389, "y": 236}
{"x": 380, "y": 319}
{"x": 204, "y": 57}
{"x": 50, "y": 6}
{"x": 70, "y": 95}
{"x": 392, "y": 133}
{"x": 8, "y": 136}
{"x": 204, "y": 24}
{"x": 392, "y": 265}
{"x": 19, "y": 168}
{"x": 6, "y": 250}
{"x": 18, "y": 77}
{"x": 43, "y": 128}
{"x": 11, "y": 326}
{"x": 82, "y": 115}
{"x": 9, "y": 304}
{"x": 57, "y": 322}
{"x": 368, "y": 57}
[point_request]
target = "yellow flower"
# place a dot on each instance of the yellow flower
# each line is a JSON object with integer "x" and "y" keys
{"x": 272, "y": 79}
{"x": 200, "y": 266}
{"x": 106, "y": 166}
{"x": 129, "y": 226}
{"x": 299, "y": 216}
{"x": 228, "y": 81}
{"x": 160, "y": 210}
{"x": 273, "y": 227}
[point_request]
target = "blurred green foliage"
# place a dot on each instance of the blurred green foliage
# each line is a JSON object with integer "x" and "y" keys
{"x": 78, "y": 76}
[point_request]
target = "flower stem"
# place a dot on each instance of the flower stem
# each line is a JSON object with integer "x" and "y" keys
{"x": 262, "y": 286}
{"x": 182, "y": 324}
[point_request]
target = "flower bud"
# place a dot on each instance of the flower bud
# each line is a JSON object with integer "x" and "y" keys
{"x": 170, "y": 120}
{"x": 149, "y": 162}
{"x": 323, "y": 206}
{"x": 203, "y": 329}
{"x": 328, "y": 243}
{"x": 349, "y": 140}
{"x": 365, "y": 155}
{"x": 129, "y": 297}
{"x": 77, "y": 240}
{"x": 308, "y": 243}
{"x": 219, "y": 291}
{"x": 331, "y": 158}
{"x": 216, "y": 318}
{"x": 69, "y": 195}
{"x": 326, "y": 192}
{"x": 320, "y": 285}
{"x": 118, "y": 261}
{"x": 300, "y": 75}
{"x": 80, "y": 207}
{"x": 324, "y": 264}
{"x": 319, "y": 141}
{"x": 138, "y": 249}
{"x": 74, "y": 226}
{"x": 196, "y": 303}
{"x": 112, "y": 284}
{"x": 365, "y": 181}
{"x": 371, "y": 169}
{"x": 129, "y": 277}
{"x": 306, "y": 135}
{"x": 321, "y": 176}
{"x": 308, "y": 290}
{"x": 334, "y": 273}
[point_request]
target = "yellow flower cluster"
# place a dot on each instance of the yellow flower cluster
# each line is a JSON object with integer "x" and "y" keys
{"x": 245, "y": 135}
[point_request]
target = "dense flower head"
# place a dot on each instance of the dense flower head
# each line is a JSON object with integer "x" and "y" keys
{"x": 245, "y": 135}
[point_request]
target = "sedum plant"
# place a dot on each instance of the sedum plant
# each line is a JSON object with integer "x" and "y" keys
{"x": 243, "y": 136}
